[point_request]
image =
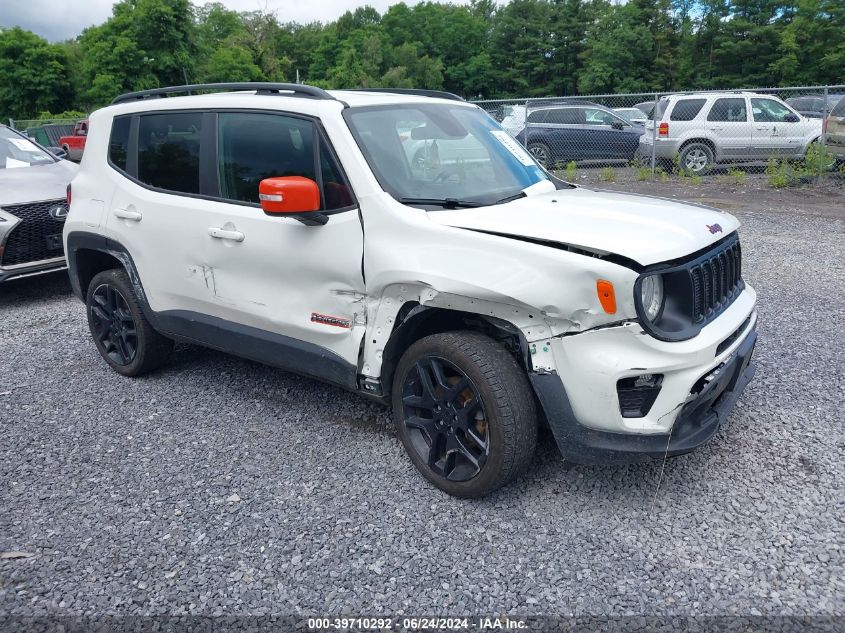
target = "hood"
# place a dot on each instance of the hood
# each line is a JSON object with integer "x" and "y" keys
{"x": 645, "y": 229}
{"x": 32, "y": 184}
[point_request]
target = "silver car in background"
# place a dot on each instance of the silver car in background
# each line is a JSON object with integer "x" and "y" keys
{"x": 33, "y": 206}
{"x": 703, "y": 129}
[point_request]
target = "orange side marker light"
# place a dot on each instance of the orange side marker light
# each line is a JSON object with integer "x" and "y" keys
{"x": 607, "y": 297}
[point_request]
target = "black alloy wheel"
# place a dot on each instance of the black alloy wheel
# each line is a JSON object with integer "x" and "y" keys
{"x": 121, "y": 332}
{"x": 113, "y": 326}
{"x": 445, "y": 419}
{"x": 465, "y": 412}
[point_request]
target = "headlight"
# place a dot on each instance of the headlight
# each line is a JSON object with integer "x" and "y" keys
{"x": 651, "y": 290}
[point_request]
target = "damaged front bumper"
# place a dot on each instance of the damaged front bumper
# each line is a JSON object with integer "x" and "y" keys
{"x": 701, "y": 382}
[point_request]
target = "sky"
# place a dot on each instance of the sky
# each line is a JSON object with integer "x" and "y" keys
{"x": 57, "y": 20}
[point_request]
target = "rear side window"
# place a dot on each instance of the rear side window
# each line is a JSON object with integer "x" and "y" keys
{"x": 252, "y": 147}
{"x": 169, "y": 151}
{"x": 119, "y": 142}
{"x": 686, "y": 109}
{"x": 839, "y": 109}
{"x": 729, "y": 109}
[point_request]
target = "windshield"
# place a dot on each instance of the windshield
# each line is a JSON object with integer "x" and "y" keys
{"x": 442, "y": 152}
{"x": 19, "y": 151}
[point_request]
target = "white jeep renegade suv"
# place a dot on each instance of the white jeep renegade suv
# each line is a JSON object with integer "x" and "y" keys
{"x": 480, "y": 297}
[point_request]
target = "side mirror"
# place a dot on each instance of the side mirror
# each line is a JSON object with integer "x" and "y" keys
{"x": 617, "y": 125}
{"x": 792, "y": 118}
{"x": 294, "y": 195}
{"x": 289, "y": 194}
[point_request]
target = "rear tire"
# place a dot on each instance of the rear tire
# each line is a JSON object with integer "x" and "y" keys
{"x": 121, "y": 333}
{"x": 697, "y": 158}
{"x": 465, "y": 412}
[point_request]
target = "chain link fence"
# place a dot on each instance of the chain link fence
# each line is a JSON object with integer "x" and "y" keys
{"x": 793, "y": 134}
{"x": 47, "y": 132}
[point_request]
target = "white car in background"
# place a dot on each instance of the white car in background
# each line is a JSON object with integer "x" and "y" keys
{"x": 514, "y": 121}
{"x": 705, "y": 129}
{"x": 632, "y": 115}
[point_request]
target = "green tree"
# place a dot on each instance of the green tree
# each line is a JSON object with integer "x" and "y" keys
{"x": 521, "y": 48}
{"x": 630, "y": 48}
{"x": 481, "y": 49}
{"x": 145, "y": 44}
{"x": 34, "y": 75}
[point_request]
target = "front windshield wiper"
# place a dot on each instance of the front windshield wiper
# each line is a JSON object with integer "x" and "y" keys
{"x": 515, "y": 196}
{"x": 455, "y": 203}
{"x": 446, "y": 203}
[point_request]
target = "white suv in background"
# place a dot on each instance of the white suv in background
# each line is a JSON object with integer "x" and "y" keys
{"x": 479, "y": 297}
{"x": 703, "y": 129}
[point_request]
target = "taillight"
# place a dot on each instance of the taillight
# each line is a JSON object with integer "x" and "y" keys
{"x": 68, "y": 198}
{"x": 663, "y": 129}
{"x": 824, "y": 126}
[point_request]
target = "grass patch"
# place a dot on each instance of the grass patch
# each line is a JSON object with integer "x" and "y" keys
{"x": 607, "y": 174}
{"x": 737, "y": 176}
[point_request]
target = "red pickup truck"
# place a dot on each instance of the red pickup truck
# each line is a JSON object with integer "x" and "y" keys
{"x": 74, "y": 144}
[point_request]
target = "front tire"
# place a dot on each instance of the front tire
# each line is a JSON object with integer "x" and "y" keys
{"x": 465, "y": 412}
{"x": 123, "y": 336}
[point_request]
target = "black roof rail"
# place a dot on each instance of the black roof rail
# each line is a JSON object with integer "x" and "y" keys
{"x": 439, "y": 94}
{"x": 261, "y": 87}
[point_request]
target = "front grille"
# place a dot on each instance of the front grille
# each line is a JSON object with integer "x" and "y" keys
{"x": 697, "y": 290}
{"x": 37, "y": 236}
{"x": 716, "y": 281}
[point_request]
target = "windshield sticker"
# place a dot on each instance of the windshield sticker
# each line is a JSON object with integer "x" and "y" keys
{"x": 513, "y": 146}
{"x": 11, "y": 163}
{"x": 23, "y": 144}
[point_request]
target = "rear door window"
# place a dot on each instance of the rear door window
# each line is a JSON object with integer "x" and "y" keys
{"x": 729, "y": 110}
{"x": 686, "y": 109}
{"x": 169, "y": 151}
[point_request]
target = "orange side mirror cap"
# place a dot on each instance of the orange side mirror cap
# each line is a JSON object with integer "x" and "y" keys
{"x": 289, "y": 194}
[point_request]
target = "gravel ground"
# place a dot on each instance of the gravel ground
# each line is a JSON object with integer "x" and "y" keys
{"x": 220, "y": 486}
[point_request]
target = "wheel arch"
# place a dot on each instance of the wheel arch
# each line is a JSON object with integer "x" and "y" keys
{"x": 700, "y": 139}
{"x": 415, "y": 321}
{"x": 89, "y": 254}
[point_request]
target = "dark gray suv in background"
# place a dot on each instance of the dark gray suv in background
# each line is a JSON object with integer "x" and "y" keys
{"x": 33, "y": 206}
{"x": 579, "y": 132}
